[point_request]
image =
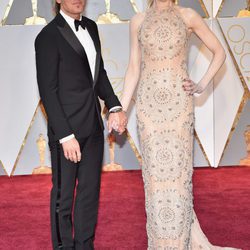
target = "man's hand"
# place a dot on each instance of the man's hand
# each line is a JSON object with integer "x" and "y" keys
{"x": 71, "y": 150}
{"x": 117, "y": 121}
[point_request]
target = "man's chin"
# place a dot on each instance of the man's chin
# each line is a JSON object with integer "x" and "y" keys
{"x": 79, "y": 8}
{"x": 77, "y": 12}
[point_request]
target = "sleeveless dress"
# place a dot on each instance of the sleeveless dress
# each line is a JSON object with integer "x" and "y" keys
{"x": 165, "y": 118}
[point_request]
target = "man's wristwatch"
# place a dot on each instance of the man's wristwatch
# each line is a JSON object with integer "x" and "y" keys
{"x": 116, "y": 110}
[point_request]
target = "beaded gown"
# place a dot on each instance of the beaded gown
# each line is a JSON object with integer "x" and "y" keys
{"x": 165, "y": 118}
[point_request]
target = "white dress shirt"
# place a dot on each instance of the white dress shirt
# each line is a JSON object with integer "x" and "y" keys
{"x": 89, "y": 47}
{"x": 85, "y": 39}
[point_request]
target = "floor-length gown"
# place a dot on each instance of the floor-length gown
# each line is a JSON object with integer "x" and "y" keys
{"x": 165, "y": 118}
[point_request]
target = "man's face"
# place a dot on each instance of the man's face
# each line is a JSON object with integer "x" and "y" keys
{"x": 73, "y": 7}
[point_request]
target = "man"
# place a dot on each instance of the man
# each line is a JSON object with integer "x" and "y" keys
{"x": 71, "y": 77}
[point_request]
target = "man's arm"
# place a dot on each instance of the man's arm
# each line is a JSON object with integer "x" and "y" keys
{"x": 105, "y": 90}
{"x": 47, "y": 60}
{"x": 117, "y": 120}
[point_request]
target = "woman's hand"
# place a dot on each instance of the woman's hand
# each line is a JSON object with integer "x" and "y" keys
{"x": 192, "y": 88}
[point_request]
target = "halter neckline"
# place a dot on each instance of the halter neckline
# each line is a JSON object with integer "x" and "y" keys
{"x": 171, "y": 7}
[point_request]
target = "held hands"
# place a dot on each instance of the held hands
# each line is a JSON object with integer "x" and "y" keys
{"x": 117, "y": 121}
{"x": 192, "y": 88}
{"x": 71, "y": 150}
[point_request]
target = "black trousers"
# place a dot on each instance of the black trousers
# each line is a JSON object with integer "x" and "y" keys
{"x": 79, "y": 234}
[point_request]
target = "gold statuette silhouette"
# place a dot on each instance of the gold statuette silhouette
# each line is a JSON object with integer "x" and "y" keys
{"x": 112, "y": 166}
{"x": 41, "y": 146}
{"x": 34, "y": 20}
{"x": 245, "y": 12}
{"x": 246, "y": 161}
{"x": 110, "y": 17}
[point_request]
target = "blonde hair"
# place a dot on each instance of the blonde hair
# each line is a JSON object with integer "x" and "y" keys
{"x": 151, "y": 2}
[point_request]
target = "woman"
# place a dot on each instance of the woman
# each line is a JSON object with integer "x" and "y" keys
{"x": 165, "y": 116}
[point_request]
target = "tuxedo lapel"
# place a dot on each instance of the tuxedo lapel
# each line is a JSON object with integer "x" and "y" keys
{"x": 71, "y": 38}
{"x": 95, "y": 38}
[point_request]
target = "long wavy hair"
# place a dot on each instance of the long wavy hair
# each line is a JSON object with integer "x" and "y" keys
{"x": 151, "y": 2}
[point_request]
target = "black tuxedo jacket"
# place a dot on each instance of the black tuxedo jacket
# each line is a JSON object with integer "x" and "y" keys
{"x": 67, "y": 89}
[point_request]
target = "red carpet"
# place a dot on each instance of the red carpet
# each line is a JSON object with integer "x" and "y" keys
{"x": 222, "y": 203}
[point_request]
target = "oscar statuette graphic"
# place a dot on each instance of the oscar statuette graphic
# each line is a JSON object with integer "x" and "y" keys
{"x": 34, "y": 20}
{"x": 246, "y": 161}
{"x": 41, "y": 146}
{"x": 109, "y": 17}
{"x": 112, "y": 166}
{"x": 245, "y": 12}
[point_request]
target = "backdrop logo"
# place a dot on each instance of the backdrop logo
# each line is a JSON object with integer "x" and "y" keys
{"x": 240, "y": 45}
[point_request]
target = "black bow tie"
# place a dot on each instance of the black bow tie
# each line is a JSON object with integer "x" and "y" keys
{"x": 80, "y": 23}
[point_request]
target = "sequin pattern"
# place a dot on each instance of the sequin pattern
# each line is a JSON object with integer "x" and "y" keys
{"x": 165, "y": 120}
{"x": 165, "y": 124}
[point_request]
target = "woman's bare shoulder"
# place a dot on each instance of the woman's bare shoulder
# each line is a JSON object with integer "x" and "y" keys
{"x": 187, "y": 11}
{"x": 188, "y": 14}
{"x": 137, "y": 19}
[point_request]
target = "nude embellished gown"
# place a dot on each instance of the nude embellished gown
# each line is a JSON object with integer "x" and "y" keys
{"x": 165, "y": 118}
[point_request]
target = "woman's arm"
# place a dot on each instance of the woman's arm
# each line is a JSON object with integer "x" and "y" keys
{"x": 133, "y": 70}
{"x": 199, "y": 27}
